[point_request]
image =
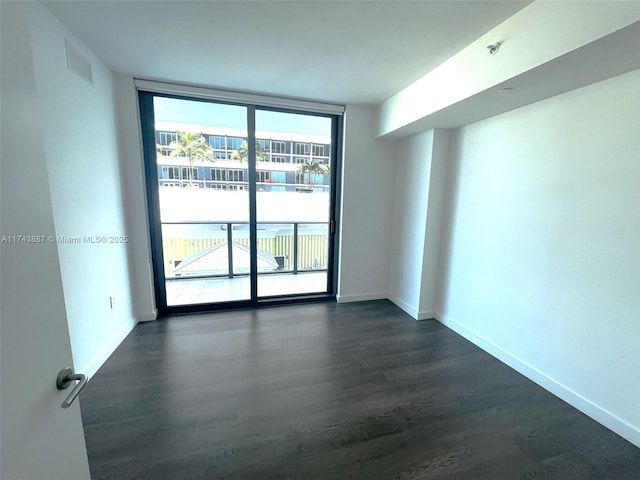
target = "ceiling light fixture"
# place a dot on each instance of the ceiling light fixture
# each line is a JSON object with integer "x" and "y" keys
{"x": 494, "y": 47}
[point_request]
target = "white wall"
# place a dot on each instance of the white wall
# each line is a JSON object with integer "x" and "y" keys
{"x": 543, "y": 260}
{"x": 366, "y": 209}
{"x": 81, "y": 148}
{"x": 413, "y": 169}
{"x": 128, "y": 120}
{"x": 430, "y": 287}
{"x": 421, "y": 179}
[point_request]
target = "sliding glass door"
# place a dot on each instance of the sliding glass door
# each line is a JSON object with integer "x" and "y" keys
{"x": 241, "y": 201}
{"x": 293, "y": 205}
{"x": 203, "y": 201}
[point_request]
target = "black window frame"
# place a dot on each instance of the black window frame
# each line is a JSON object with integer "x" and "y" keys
{"x": 145, "y": 102}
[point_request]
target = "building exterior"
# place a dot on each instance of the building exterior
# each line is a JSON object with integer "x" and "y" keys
{"x": 279, "y": 169}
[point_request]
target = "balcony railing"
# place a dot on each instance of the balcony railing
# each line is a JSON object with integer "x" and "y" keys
{"x": 221, "y": 249}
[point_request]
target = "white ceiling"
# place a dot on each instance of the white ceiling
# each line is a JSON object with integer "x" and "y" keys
{"x": 336, "y": 51}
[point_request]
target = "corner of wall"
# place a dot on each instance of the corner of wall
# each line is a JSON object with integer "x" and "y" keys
{"x": 573, "y": 249}
{"x": 148, "y": 316}
{"x": 405, "y": 306}
{"x": 597, "y": 412}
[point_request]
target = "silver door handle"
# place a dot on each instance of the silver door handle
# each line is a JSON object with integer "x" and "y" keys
{"x": 65, "y": 378}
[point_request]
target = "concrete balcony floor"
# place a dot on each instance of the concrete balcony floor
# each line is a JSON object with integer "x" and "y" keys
{"x": 211, "y": 290}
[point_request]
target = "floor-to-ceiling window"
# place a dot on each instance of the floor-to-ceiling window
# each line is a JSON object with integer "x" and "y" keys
{"x": 242, "y": 201}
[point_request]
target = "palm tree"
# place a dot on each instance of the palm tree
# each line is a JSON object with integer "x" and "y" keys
{"x": 194, "y": 147}
{"x": 312, "y": 167}
{"x": 242, "y": 153}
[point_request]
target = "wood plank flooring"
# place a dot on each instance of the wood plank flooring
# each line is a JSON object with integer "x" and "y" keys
{"x": 330, "y": 391}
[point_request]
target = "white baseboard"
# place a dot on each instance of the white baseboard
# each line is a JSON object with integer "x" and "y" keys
{"x": 599, "y": 414}
{"x": 148, "y": 316}
{"x": 417, "y": 315}
{"x": 426, "y": 315}
{"x": 361, "y": 297}
{"x": 404, "y": 306}
{"x": 98, "y": 360}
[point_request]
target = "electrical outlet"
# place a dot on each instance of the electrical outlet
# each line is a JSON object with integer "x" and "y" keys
{"x": 112, "y": 301}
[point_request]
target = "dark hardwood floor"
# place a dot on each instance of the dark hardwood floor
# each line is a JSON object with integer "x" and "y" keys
{"x": 328, "y": 391}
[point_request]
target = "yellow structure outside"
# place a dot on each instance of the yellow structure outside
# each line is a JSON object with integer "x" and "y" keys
{"x": 312, "y": 250}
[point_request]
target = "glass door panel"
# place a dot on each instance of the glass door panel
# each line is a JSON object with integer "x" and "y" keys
{"x": 233, "y": 221}
{"x": 293, "y": 200}
{"x": 202, "y": 172}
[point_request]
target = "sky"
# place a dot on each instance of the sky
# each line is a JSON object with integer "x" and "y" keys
{"x": 220, "y": 115}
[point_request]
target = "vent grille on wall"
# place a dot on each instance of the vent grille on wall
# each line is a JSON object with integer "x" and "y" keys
{"x": 77, "y": 64}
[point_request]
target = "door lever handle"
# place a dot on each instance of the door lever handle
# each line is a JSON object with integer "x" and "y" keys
{"x": 65, "y": 378}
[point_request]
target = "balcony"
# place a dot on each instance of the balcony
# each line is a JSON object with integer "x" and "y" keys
{"x": 206, "y": 262}
{"x": 185, "y": 291}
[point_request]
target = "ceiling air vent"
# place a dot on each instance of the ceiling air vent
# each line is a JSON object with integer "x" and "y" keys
{"x": 77, "y": 64}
